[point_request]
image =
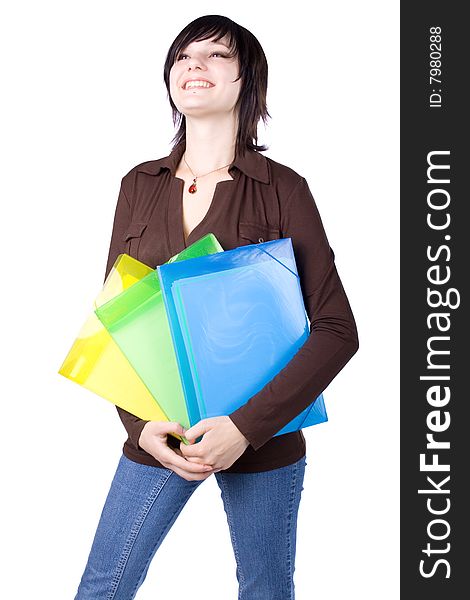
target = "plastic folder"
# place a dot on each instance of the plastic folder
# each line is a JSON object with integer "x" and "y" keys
{"x": 236, "y": 319}
{"x": 137, "y": 321}
{"x": 97, "y": 363}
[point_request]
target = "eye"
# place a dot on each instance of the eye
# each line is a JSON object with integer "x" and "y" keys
{"x": 180, "y": 56}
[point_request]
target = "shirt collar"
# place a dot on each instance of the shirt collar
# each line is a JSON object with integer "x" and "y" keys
{"x": 252, "y": 163}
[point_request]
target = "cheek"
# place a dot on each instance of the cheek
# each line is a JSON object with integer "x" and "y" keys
{"x": 236, "y": 87}
{"x": 175, "y": 73}
{"x": 174, "y": 78}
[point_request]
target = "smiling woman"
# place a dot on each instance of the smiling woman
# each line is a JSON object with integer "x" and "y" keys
{"x": 215, "y": 180}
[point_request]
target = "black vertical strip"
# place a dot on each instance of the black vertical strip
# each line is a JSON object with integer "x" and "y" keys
{"x": 434, "y": 258}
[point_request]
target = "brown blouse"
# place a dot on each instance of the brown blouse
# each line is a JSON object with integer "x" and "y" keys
{"x": 265, "y": 201}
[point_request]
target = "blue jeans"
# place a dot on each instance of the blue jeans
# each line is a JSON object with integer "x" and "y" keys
{"x": 143, "y": 503}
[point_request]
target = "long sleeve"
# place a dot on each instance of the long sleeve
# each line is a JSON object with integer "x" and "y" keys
{"x": 333, "y": 338}
{"x": 122, "y": 219}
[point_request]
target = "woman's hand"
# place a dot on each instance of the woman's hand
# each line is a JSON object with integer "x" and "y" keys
{"x": 153, "y": 439}
{"x": 221, "y": 445}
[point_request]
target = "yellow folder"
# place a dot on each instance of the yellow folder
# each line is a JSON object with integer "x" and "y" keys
{"x": 96, "y": 362}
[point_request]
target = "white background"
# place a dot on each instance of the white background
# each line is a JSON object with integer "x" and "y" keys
{"x": 83, "y": 102}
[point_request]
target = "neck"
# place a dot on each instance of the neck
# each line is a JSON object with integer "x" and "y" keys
{"x": 210, "y": 144}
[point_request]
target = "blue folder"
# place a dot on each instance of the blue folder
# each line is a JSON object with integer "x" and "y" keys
{"x": 236, "y": 319}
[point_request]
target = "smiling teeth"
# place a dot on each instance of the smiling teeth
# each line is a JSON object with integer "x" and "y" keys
{"x": 192, "y": 84}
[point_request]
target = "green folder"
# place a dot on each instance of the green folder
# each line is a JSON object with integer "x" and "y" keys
{"x": 137, "y": 321}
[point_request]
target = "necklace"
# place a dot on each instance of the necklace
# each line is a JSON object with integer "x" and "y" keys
{"x": 193, "y": 188}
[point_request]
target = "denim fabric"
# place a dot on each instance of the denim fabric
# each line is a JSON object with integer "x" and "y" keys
{"x": 143, "y": 503}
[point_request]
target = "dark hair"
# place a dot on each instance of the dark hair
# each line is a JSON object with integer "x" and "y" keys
{"x": 253, "y": 72}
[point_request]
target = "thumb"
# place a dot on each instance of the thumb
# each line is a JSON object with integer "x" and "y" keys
{"x": 174, "y": 427}
{"x": 196, "y": 430}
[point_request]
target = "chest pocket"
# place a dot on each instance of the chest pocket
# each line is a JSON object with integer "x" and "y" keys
{"x": 255, "y": 233}
{"x": 132, "y": 238}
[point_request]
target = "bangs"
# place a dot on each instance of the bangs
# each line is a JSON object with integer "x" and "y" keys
{"x": 199, "y": 31}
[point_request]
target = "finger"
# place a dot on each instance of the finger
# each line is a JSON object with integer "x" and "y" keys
{"x": 192, "y": 476}
{"x": 192, "y": 458}
{"x": 193, "y": 450}
{"x": 176, "y": 461}
{"x": 174, "y": 427}
{"x": 206, "y": 462}
{"x": 200, "y": 461}
{"x": 197, "y": 430}
{"x": 194, "y": 454}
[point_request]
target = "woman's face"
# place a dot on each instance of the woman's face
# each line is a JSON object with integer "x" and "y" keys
{"x": 205, "y": 61}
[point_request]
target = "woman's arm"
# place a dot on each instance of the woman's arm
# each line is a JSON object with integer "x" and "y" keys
{"x": 122, "y": 219}
{"x": 333, "y": 336}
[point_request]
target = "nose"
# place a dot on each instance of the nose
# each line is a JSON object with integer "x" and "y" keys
{"x": 194, "y": 62}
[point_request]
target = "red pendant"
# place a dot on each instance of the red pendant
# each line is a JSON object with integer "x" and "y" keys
{"x": 192, "y": 188}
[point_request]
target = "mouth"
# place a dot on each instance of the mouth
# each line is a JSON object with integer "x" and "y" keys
{"x": 197, "y": 84}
